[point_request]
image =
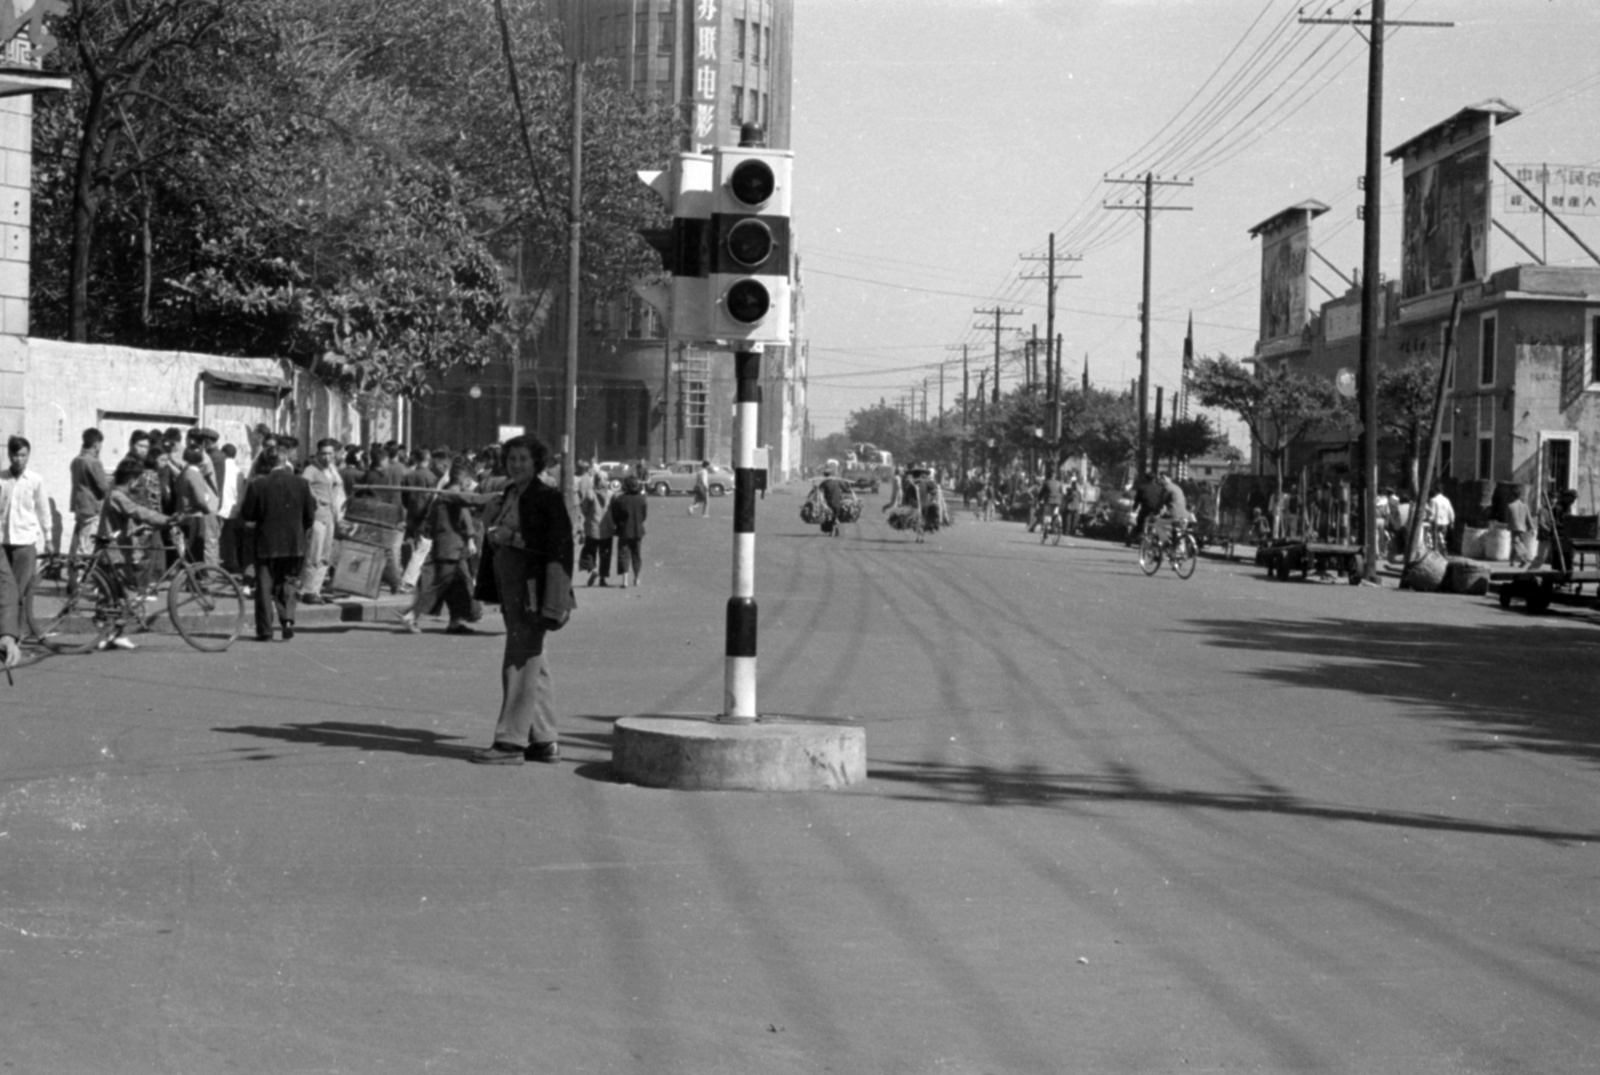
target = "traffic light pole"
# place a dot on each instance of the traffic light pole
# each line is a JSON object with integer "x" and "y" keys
{"x": 739, "y": 678}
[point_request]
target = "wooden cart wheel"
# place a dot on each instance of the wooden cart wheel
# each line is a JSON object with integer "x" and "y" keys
{"x": 1505, "y": 595}
{"x": 1358, "y": 569}
{"x": 1281, "y": 566}
{"x": 1539, "y": 599}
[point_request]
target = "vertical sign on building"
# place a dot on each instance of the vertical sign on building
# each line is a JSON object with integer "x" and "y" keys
{"x": 1286, "y": 270}
{"x": 707, "y": 29}
{"x": 1445, "y": 238}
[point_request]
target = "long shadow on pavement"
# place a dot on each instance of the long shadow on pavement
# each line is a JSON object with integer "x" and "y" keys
{"x": 1031, "y": 785}
{"x": 334, "y": 733}
{"x": 1510, "y": 686}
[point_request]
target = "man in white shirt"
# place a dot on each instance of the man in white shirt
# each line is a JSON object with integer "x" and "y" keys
{"x": 327, "y": 487}
{"x": 24, "y": 513}
{"x": 1439, "y": 517}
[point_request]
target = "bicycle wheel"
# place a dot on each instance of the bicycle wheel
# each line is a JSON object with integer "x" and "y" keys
{"x": 1150, "y": 554}
{"x": 1184, "y": 555}
{"x": 206, "y": 606}
{"x": 71, "y": 616}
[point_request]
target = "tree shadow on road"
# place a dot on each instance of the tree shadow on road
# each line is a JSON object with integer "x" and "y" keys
{"x": 335, "y": 733}
{"x": 1516, "y": 685}
{"x": 1032, "y": 785}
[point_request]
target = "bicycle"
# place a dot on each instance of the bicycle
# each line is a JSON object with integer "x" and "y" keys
{"x": 73, "y": 607}
{"x": 1050, "y": 530}
{"x": 1176, "y": 548}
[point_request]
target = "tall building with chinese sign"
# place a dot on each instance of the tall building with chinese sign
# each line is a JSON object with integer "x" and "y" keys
{"x": 722, "y": 63}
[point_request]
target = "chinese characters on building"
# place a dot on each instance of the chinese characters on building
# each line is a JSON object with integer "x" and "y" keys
{"x": 707, "y": 25}
{"x": 1565, "y": 188}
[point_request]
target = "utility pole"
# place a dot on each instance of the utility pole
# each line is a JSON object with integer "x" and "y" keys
{"x": 1155, "y": 453}
{"x": 966, "y": 403}
{"x": 999, "y": 314}
{"x": 1377, "y": 27}
{"x": 1149, "y": 207}
{"x": 1053, "y": 367}
{"x": 569, "y": 439}
{"x": 941, "y": 397}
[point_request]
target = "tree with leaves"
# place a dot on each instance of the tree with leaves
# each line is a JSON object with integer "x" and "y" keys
{"x": 340, "y": 184}
{"x": 1184, "y": 439}
{"x": 1280, "y": 406}
{"x": 1405, "y": 410}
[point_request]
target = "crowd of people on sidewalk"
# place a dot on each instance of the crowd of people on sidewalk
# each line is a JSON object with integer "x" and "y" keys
{"x": 483, "y": 527}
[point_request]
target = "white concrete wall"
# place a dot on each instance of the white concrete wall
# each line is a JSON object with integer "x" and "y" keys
{"x": 69, "y": 387}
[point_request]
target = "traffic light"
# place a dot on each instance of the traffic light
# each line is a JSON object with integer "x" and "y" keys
{"x": 684, "y": 297}
{"x": 750, "y": 245}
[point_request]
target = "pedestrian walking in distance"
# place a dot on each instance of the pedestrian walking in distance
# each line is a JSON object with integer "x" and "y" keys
{"x": 533, "y": 552}
{"x": 283, "y": 509}
{"x": 702, "y": 490}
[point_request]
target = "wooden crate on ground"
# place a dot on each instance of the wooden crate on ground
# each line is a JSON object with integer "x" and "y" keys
{"x": 357, "y": 568}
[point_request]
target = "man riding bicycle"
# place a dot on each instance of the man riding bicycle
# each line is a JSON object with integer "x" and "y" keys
{"x": 1173, "y": 505}
{"x": 1049, "y": 496}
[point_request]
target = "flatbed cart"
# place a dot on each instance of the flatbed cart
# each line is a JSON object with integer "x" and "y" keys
{"x": 1286, "y": 555}
{"x": 1536, "y": 588}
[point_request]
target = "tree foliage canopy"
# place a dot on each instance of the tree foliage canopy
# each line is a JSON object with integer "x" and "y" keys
{"x": 341, "y": 184}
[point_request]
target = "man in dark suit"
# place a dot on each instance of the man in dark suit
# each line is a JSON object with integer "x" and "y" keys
{"x": 282, "y": 508}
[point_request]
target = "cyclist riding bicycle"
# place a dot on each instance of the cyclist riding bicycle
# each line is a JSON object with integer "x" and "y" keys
{"x": 1174, "y": 506}
{"x": 1048, "y": 496}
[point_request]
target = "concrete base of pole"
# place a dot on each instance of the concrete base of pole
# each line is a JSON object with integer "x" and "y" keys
{"x": 699, "y": 753}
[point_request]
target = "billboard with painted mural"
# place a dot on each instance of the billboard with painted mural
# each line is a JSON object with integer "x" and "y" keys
{"x": 1445, "y": 241}
{"x": 1285, "y": 277}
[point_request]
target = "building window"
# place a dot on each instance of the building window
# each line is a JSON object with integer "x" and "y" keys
{"x": 664, "y": 38}
{"x": 1446, "y": 459}
{"x": 766, "y": 48}
{"x": 1486, "y": 407}
{"x": 1444, "y": 353}
{"x": 738, "y": 39}
{"x": 755, "y": 106}
{"x": 1486, "y": 349}
{"x": 1591, "y": 348}
{"x": 738, "y": 105}
{"x": 755, "y": 43}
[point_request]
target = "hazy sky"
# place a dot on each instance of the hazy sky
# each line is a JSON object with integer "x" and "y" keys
{"x": 938, "y": 141}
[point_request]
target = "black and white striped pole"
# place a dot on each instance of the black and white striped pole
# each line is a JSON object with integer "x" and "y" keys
{"x": 739, "y": 677}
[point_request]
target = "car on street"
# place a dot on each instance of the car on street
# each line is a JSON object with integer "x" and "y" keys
{"x": 679, "y": 478}
{"x": 615, "y": 472}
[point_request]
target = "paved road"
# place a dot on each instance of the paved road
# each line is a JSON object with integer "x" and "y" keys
{"x": 1113, "y": 824}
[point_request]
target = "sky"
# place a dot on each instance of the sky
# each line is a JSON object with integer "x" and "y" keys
{"x": 938, "y": 143}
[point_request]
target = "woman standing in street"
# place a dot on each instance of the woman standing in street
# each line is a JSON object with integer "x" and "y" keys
{"x": 627, "y": 517}
{"x": 531, "y": 537}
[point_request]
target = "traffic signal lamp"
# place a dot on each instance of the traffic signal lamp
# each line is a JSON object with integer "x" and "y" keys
{"x": 750, "y": 245}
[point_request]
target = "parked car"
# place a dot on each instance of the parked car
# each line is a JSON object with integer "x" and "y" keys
{"x": 679, "y": 478}
{"x": 615, "y": 472}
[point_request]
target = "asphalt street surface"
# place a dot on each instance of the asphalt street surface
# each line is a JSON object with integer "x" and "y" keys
{"x": 1113, "y": 824}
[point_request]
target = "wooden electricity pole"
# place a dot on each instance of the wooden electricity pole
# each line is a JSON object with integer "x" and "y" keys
{"x": 1371, "y": 296}
{"x": 1148, "y": 207}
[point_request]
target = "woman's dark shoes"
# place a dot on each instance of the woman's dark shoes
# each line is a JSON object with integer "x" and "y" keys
{"x": 498, "y": 754}
{"x": 546, "y": 752}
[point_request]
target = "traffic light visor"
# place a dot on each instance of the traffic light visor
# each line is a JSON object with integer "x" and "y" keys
{"x": 747, "y": 301}
{"x": 752, "y": 182}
